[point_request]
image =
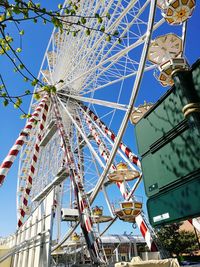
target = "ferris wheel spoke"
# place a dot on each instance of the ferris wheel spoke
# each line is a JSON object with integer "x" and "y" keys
{"x": 87, "y": 42}
{"x": 115, "y": 57}
{"x": 148, "y": 68}
{"x": 127, "y": 28}
{"x": 97, "y": 101}
{"x": 117, "y": 21}
{"x": 82, "y": 134}
{"x": 109, "y": 141}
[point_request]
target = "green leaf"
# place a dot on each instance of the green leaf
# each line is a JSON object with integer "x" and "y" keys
{"x": 35, "y": 20}
{"x": 23, "y": 116}
{"x": 21, "y": 32}
{"x": 96, "y": 15}
{"x": 75, "y": 7}
{"x": 9, "y": 39}
{"x": 2, "y": 17}
{"x": 83, "y": 20}
{"x": 18, "y": 103}
{"x": 9, "y": 13}
{"x": 27, "y": 92}
{"x": 60, "y": 6}
{"x": 108, "y": 38}
{"x": 30, "y": 4}
{"x": 18, "y": 50}
{"x": 74, "y": 34}
{"x": 46, "y": 88}
{"x": 67, "y": 11}
{"x": 53, "y": 89}
{"x": 102, "y": 29}
{"x": 34, "y": 82}
{"x": 26, "y": 79}
{"x": 5, "y": 102}
{"x": 116, "y": 33}
{"x": 16, "y": 9}
{"x": 56, "y": 22}
{"x": 36, "y": 96}
{"x": 87, "y": 32}
{"x": 73, "y": 12}
{"x": 119, "y": 40}
{"x": 100, "y": 20}
{"x": 21, "y": 66}
{"x": 108, "y": 15}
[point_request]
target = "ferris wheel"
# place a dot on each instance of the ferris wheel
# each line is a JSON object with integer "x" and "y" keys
{"x": 74, "y": 157}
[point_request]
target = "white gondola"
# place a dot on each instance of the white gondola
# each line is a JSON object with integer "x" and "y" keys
{"x": 69, "y": 214}
{"x": 164, "y": 48}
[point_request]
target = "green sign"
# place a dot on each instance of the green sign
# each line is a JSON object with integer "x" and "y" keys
{"x": 169, "y": 145}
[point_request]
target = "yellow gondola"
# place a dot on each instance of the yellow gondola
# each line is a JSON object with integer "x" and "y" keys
{"x": 97, "y": 211}
{"x": 166, "y": 69}
{"x": 123, "y": 173}
{"x": 129, "y": 210}
{"x": 176, "y": 11}
{"x": 75, "y": 237}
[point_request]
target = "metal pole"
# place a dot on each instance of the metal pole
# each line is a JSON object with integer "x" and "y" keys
{"x": 189, "y": 97}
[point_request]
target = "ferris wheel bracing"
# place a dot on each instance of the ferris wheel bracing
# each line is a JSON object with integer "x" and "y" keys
{"x": 72, "y": 150}
{"x": 83, "y": 206}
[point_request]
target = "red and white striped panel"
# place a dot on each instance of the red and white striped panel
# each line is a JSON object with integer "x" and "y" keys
{"x": 130, "y": 155}
{"x": 146, "y": 233}
{"x": 8, "y": 161}
{"x": 27, "y": 189}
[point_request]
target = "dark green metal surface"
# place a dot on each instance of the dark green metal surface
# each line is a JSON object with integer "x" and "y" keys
{"x": 164, "y": 115}
{"x": 177, "y": 204}
{"x": 169, "y": 146}
{"x": 175, "y": 160}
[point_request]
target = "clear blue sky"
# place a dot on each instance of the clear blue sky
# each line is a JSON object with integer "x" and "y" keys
{"x": 34, "y": 45}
